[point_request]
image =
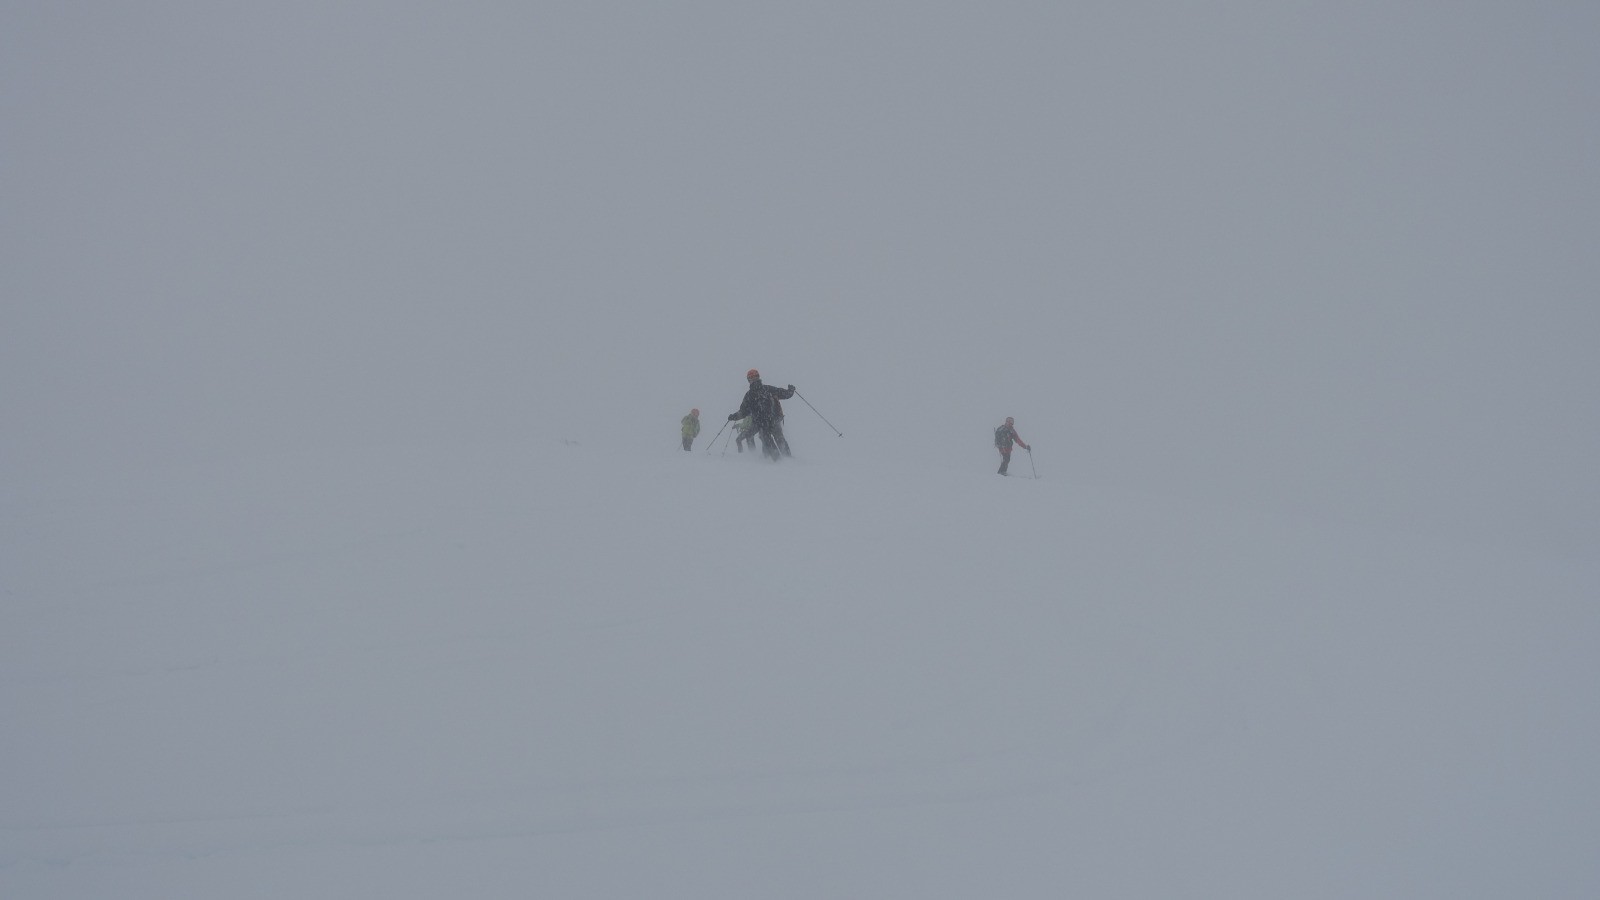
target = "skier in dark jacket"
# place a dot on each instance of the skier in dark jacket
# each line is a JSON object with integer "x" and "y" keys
{"x": 761, "y": 405}
{"x": 1003, "y": 438}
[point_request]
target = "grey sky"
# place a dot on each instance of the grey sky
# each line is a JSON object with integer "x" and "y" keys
{"x": 1326, "y": 257}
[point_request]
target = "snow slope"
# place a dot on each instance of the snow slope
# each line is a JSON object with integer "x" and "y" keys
{"x": 544, "y": 668}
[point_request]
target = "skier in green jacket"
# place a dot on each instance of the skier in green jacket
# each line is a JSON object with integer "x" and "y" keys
{"x": 691, "y": 428}
{"x": 745, "y": 432}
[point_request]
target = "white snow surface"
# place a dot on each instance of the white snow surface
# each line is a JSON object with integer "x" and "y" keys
{"x": 547, "y": 668}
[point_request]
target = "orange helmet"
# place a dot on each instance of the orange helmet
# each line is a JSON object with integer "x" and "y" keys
{"x": 752, "y": 374}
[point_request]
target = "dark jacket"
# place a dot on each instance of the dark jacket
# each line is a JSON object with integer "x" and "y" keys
{"x": 760, "y": 402}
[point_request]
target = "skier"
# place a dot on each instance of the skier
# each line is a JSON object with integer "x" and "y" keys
{"x": 745, "y": 428}
{"x": 1003, "y": 438}
{"x": 691, "y": 427}
{"x": 777, "y": 426}
{"x": 761, "y": 404}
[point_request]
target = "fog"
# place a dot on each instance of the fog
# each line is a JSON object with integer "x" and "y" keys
{"x": 1296, "y": 304}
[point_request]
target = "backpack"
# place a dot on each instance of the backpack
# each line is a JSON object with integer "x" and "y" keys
{"x": 1002, "y": 437}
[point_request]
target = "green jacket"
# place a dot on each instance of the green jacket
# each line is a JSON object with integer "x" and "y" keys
{"x": 691, "y": 426}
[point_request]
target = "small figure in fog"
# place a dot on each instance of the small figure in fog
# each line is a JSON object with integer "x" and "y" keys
{"x": 1004, "y": 437}
{"x": 691, "y": 428}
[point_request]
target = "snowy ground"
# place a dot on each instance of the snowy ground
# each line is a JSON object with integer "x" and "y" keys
{"x": 549, "y": 669}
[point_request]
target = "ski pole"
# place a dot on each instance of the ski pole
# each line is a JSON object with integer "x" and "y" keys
{"x": 1031, "y": 465}
{"x": 714, "y": 438}
{"x": 819, "y": 415}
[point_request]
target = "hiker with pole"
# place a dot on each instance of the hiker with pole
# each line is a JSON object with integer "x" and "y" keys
{"x": 1004, "y": 436}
